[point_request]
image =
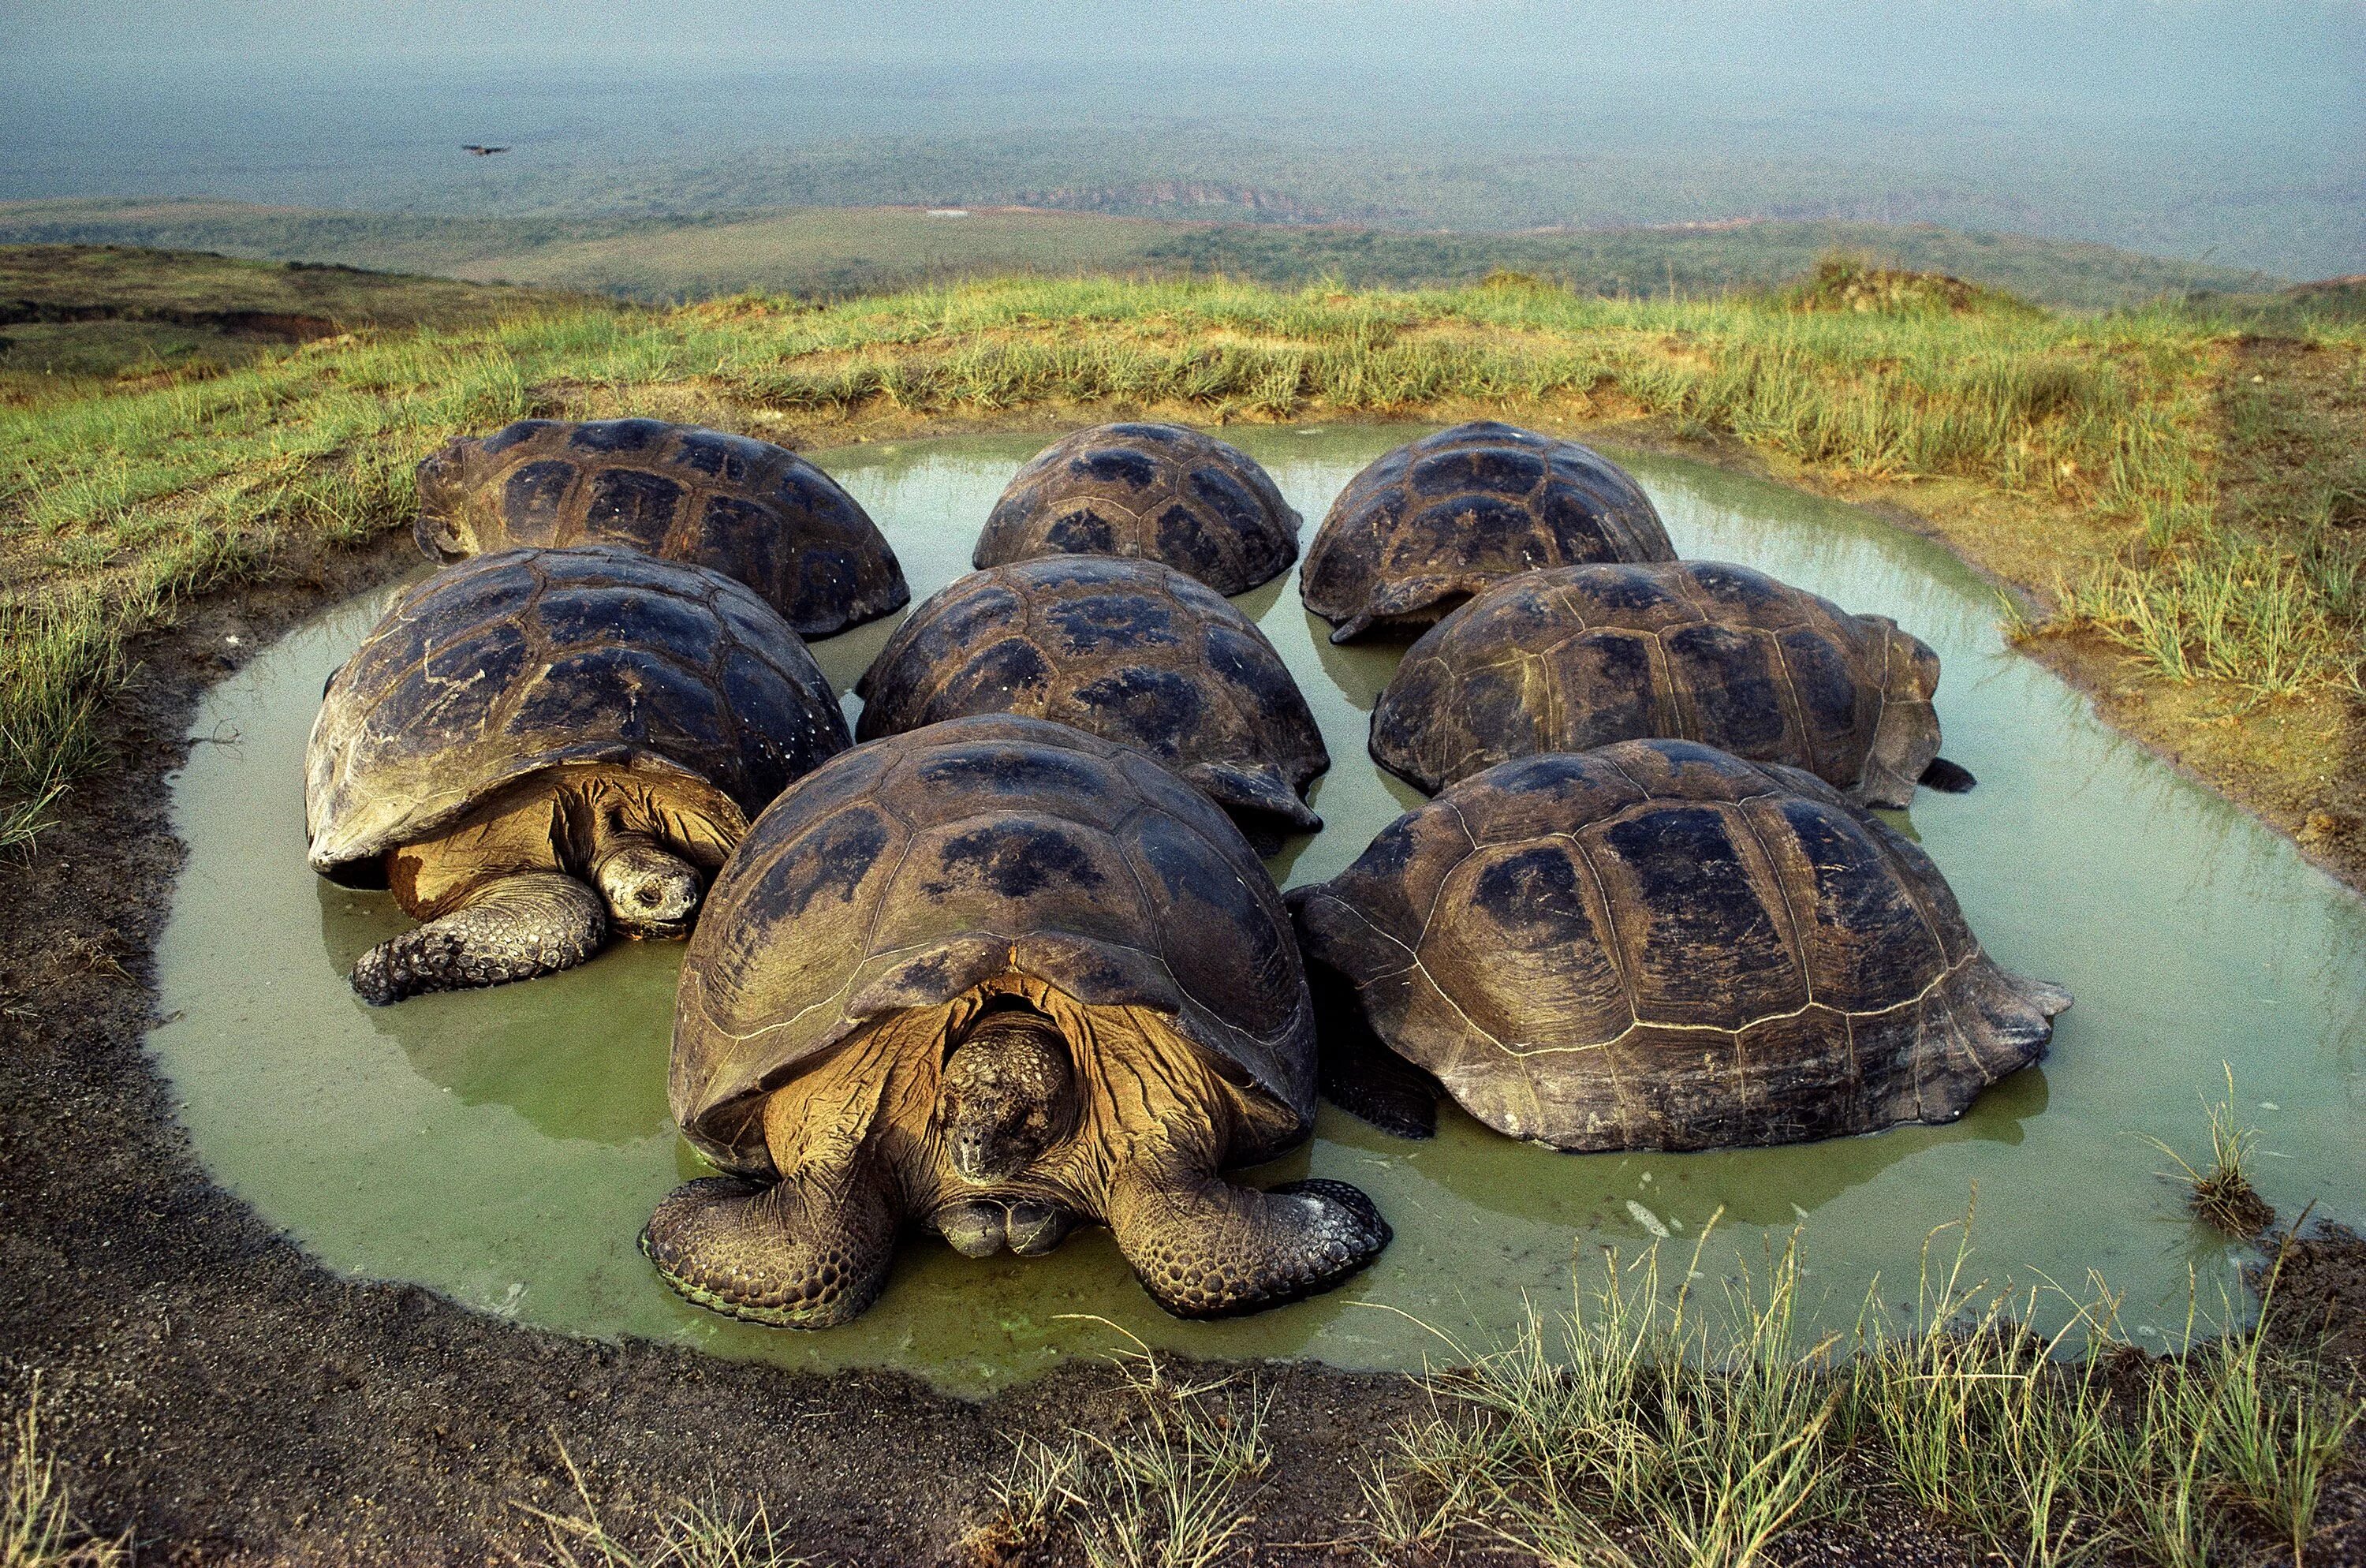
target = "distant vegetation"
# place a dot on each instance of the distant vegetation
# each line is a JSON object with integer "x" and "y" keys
{"x": 836, "y": 250}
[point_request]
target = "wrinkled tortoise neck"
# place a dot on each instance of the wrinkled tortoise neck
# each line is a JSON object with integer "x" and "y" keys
{"x": 1008, "y": 1094}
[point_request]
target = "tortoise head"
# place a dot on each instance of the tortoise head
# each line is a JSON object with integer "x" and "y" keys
{"x": 1008, "y": 1093}
{"x": 441, "y": 530}
{"x": 649, "y": 893}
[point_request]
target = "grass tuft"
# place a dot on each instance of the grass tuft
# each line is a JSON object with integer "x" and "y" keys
{"x": 1169, "y": 1490}
{"x": 1636, "y": 1430}
{"x": 1635, "y": 1417}
{"x": 689, "y": 1535}
{"x": 2220, "y": 1192}
{"x": 38, "y": 1527}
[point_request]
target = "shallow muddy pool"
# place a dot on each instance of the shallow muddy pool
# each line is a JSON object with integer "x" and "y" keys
{"x": 505, "y": 1147}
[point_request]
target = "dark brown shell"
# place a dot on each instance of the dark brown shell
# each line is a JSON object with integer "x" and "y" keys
{"x": 1441, "y": 518}
{"x": 745, "y": 508}
{"x": 1575, "y": 658}
{"x": 913, "y": 869}
{"x": 1129, "y": 650}
{"x": 531, "y": 660}
{"x": 1158, "y": 492}
{"x": 1656, "y": 945}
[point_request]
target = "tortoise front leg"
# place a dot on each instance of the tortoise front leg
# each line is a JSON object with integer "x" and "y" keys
{"x": 1204, "y": 1247}
{"x": 809, "y": 1251}
{"x": 514, "y": 929}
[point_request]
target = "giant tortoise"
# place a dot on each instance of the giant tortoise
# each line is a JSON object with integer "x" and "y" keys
{"x": 1161, "y": 492}
{"x": 1657, "y": 945}
{"x": 745, "y": 508}
{"x": 991, "y": 978}
{"x": 1580, "y": 656}
{"x": 535, "y": 747}
{"x": 1436, "y": 520}
{"x": 1127, "y": 649}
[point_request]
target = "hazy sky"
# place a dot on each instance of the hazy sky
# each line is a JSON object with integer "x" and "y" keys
{"x": 2024, "y": 53}
{"x": 2152, "y": 105}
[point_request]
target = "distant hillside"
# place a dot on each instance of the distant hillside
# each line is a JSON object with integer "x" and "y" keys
{"x": 841, "y": 249}
{"x": 2327, "y": 299}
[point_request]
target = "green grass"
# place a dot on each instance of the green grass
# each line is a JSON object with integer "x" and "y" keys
{"x": 1170, "y": 1489}
{"x": 2219, "y": 1191}
{"x": 116, "y": 507}
{"x": 707, "y": 1534}
{"x": 37, "y": 1525}
{"x": 1644, "y": 1426}
{"x": 2255, "y": 573}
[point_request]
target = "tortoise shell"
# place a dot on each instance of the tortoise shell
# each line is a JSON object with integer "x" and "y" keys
{"x": 1578, "y": 657}
{"x": 1158, "y": 492}
{"x": 1129, "y": 650}
{"x": 745, "y": 508}
{"x": 516, "y": 664}
{"x": 1441, "y": 518}
{"x": 1656, "y": 945}
{"x": 910, "y": 870}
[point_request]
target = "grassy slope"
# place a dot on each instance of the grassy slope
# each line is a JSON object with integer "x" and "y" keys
{"x": 839, "y": 250}
{"x": 2082, "y": 453}
{"x": 74, "y": 315}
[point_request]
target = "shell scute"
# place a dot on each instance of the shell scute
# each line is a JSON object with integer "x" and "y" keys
{"x": 1530, "y": 907}
{"x": 610, "y": 436}
{"x": 1865, "y": 941}
{"x": 1700, "y": 938}
{"x": 535, "y": 493}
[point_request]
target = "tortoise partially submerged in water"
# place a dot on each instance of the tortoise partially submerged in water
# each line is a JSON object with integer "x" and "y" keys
{"x": 1578, "y": 657}
{"x": 1129, "y": 650}
{"x": 534, "y": 748}
{"x": 1656, "y": 945}
{"x": 994, "y": 977}
{"x": 1439, "y": 519}
{"x": 745, "y": 508}
{"x": 1158, "y": 492}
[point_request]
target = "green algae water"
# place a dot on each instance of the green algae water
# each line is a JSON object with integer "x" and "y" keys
{"x": 505, "y": 1147}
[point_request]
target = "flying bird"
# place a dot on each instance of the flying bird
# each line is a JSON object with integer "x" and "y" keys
{"x": 482, "y": 152}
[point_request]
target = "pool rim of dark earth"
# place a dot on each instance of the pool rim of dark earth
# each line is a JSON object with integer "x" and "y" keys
{"x": 208, "y": 1382}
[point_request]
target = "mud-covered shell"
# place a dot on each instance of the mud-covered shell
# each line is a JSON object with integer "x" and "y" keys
{"x": 1129, "y": 650}
{"x": 1581, "y": 656}
{"x": 528, "y": 661}
{"x": 1656, "y": 945}
{"x": 1160, "y": 492}
{"x": 1441, "y": 518}
{"x": 745, "y": 508}
{"x": 912, "y": 870}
